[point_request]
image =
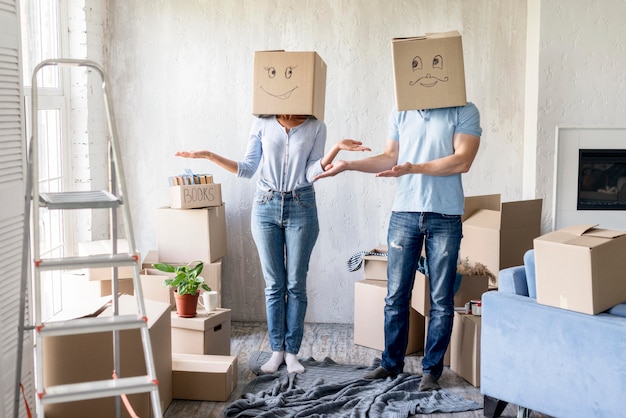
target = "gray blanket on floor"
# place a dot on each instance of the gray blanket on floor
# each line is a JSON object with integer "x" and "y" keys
{"x": 328, "y": 389}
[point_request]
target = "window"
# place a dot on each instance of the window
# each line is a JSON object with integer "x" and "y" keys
{"x": 42, "y": 29}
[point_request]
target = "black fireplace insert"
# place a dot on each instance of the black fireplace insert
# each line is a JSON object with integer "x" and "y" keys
{"x": 601, "y": 179}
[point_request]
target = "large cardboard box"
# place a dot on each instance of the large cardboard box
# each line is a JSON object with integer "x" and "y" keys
{"x": 195, "y": 196}
{"x": 186, "y": 235}
{"x": 152, "y": 279}
{"x": 105, "y": 247}
{"x": 429, "y": 72}
{"x": 289, "y": 83}
{"x": 369, "y": 318}
{"x": 89, "y": 357}
{"x": 465, "y": 347}
{"x": 581, "y": 268}
{"x": 203, "y": 377}
{"x": 471, "y": 287}
{"x": 498, "y": 234}
{"x": 206, "y": 333}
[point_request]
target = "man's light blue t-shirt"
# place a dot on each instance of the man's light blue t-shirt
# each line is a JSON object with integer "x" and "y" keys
{"x": 427, "y": 135}
{"x": 288, "y": 161}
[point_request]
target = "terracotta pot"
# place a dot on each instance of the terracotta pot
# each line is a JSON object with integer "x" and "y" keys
{"x": 186, "y": 305}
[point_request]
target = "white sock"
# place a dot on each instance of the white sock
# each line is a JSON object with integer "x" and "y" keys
{"x": 293, "y": 365}
{"x": 274, "y": 362}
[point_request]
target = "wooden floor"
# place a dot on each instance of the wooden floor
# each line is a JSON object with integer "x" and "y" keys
{"x": 320, "y": 341}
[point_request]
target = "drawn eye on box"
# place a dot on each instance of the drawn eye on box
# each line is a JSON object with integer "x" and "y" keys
{"x": 280, "y": 82}
{"x": 428, "y": 75}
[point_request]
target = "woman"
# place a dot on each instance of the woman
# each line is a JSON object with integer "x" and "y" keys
{"x": 289, "y": 149}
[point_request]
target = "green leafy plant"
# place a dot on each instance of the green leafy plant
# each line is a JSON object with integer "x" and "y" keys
{"x": 186, "y": 280}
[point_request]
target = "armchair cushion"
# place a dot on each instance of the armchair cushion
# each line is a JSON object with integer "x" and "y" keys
{"x": 513, "y": 280}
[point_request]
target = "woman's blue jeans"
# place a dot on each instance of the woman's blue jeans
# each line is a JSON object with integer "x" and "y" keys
{"x": 285, "y": 228}
{"x": 441, "y": 235}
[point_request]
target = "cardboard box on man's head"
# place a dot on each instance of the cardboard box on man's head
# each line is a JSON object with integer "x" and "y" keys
{"x": 428, "y": 71}
{"x": 289, "y": 83}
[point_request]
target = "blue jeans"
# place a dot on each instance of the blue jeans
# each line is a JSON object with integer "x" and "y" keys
{"x": 441, "y": 235}
{"x": 285, "y": 228}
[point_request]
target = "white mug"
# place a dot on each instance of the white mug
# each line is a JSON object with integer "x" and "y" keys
{"x": 208, "y": 300}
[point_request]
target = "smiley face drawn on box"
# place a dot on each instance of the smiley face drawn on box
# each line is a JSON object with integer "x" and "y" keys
{"x": 431, "y": 74}
{"x": 429, "y": 71}
{"x": 289, "y": 82}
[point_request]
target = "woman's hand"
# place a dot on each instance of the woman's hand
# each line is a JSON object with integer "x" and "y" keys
{"x": 351, "y": 145}
{"x": 194, "y": 154}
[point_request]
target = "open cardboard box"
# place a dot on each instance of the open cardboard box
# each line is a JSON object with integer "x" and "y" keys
{"x": 497, "y": 234}
{"x": 203, "y": 377}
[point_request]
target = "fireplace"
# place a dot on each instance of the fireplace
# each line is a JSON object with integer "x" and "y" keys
{"x": 601, "y": 179}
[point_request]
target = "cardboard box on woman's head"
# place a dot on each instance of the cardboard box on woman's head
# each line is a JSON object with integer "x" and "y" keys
{"x": 428, "y": 71}
{"x": 289, "y": 83}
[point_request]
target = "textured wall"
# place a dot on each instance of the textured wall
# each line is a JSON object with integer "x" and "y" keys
{"x": 182, "y": 76}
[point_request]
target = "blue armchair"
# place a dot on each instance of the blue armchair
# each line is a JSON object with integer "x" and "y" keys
{"x": 551, "y": 360}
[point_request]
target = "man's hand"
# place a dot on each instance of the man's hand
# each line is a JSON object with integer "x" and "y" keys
{"x": 396, "y": 171}
{"x": 332, "y": 169}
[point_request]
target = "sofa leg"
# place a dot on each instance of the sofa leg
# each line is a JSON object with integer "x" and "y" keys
{"x": 493, "y": 407}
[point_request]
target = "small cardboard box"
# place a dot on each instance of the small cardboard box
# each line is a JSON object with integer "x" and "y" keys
{"x": 89, "y": 357}
{"x": 203, "y": 377}
{"x": 202, "y": 334}
{"x": 465, "y": 347}
{"x": 153, "y": 289}
{"x": 375, "y": 266}
{"x": 429, "y": 71}
{"x": 471, "y": 287}
{"x": 186, "y": 235}
{"x": 581, "y": 268}
{"x": 105, "y": 247}
{"x": 289, "y": 83}
{"x": 369, "y": 318}
{"x": 498, "y": 234}
{"x": 195, "y": 196}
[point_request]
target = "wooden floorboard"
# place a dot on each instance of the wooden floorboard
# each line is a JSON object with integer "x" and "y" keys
{"x": 320, "y": 341}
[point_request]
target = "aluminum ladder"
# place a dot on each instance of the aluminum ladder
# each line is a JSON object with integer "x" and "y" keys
{"x": 113, "y": 199}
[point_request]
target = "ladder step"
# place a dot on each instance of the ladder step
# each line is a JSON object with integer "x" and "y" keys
{"x": 92, "y": 199}
{"x": 91, "y": 325}
{"x": 98, "y": 389}
{"x": 91, "y": 261}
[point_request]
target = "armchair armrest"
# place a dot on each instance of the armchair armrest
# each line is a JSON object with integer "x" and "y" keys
{"x": 513, "y": 280}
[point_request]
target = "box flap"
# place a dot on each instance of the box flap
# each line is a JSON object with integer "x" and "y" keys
{"x": 578, "y": 230}
{"x": 484, "y": 218}
{"x": 82, "y": 309}
{"x": 474, "y": 203}
{"x": 203, "y": 363}
{"x": 521, "y": 214}
{"x": 127, "y": 305}
{"x": 604, "y": 233}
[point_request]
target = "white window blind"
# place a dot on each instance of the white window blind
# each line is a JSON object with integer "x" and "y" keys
{"x": 12, "y": 184}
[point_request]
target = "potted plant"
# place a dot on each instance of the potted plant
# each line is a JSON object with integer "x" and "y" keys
{"x": 186, "y": 283}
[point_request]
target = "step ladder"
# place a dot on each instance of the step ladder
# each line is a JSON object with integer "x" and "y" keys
{"x": 112, "y": 200}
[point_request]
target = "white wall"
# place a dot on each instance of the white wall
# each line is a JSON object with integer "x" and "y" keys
{"x": 182, "y": 75}
{"x": 581, "y": 79}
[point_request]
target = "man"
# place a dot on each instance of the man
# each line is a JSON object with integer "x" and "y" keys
{"x": 428, "y": 150}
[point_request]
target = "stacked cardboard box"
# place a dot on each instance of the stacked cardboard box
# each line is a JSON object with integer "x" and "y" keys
{"x": 188, "y": 232}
